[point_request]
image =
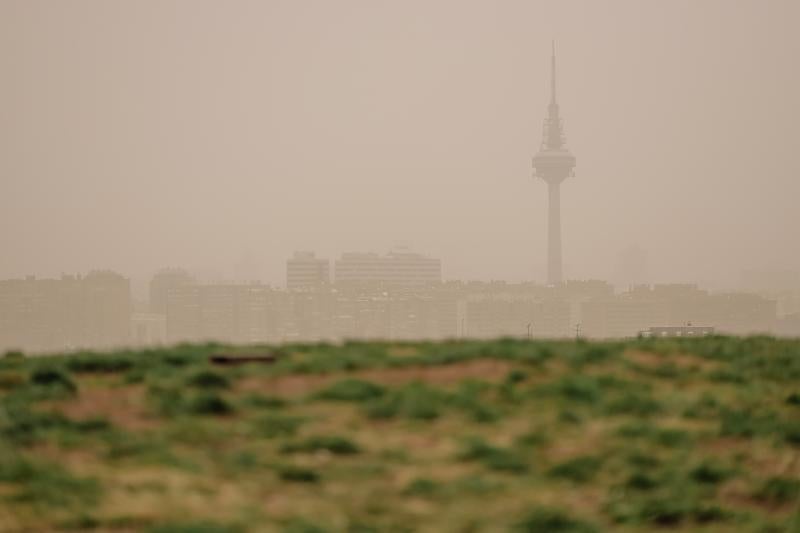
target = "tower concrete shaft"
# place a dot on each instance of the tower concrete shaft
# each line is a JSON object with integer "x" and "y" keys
{"x": 554, "y": 273}
{"x": 553, "y": 163}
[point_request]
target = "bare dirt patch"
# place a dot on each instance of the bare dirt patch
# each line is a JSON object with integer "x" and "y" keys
{"x": 483, "y": 369}
{"x": 294, "y": 385}
{"x": 123, "y": 406}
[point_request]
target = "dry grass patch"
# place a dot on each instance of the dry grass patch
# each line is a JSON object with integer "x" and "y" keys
{"x": 584, "y": 440}
{"x": 402, "y": 351}
{"x": 123, "y": 406}
{"x": 683, "y": 361}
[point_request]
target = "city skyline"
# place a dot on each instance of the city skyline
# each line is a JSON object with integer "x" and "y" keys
{"x": 289, "y": 134}
{"x": 395, "y": 297}
{"x": 419, "y": 265}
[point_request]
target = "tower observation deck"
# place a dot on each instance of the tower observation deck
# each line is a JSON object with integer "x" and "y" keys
{"x": 553, "y": 163}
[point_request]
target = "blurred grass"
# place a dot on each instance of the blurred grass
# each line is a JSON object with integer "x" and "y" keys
{"x": 506, "y": 435}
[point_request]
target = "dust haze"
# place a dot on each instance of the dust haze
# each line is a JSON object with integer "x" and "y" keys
{"x": 221, "y": 137}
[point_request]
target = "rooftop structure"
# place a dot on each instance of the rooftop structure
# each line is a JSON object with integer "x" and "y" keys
{"x": 306, "y": 270}
{"x": 679, "y": 331}
{"x": 394, "y": 268}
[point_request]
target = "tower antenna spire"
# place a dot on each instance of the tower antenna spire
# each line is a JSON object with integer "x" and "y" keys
{"x": 553, "y": 74}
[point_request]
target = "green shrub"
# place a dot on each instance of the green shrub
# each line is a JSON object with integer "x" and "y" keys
{"x": 81, "y": 522}
{"x": 704, "y": 513}
{"x": 578, "y": 470}
{"x": 123, "y": 445}
{"x": 667, "y": 512}
{"x": 382, "y": 409}
{"x": 277, "y": 425}
{"x": 46, "y": 484}
{"x": 634, "y": 404}
{"x": 570, "y": 416}
{"x": 474, "y": 485}
{"x": 333, "y": 444}
{"x": 492, "y": 457}
{"x": 516, "y": 376}
{"x": 578, "y": 388}
{"x": 14, "y": 354}
{"x": 793, "y": 399}
{"x": 641, "y": 459}
{"x": 532, "y": 439}
{"x": 468, "y": 398}
{"x": 592, "y": 354}
{"x": 263, "y": 401}
{"x": 11, "y": 380}
{"x": 482, "y": 412}
{"x": 710, "y": 473}
{"x": 531, "y": 355}
{"x": 298, "y": 474}
{"x": 635, "y": 430}
{"x": 358, "y": 526}
{"x": 170, "y": 401}
{"x": 207, "y": 379}
{"x": 422, "y": 407}
{"x": 23, "y": 426}
{"x": 791, "y": 433}
{"x": 209, "y": 404}
{"x": 668, "y": 370}
{"x": 318, "y": 359}
{"x": 728, "y": 376}
{"x": 705, "y": 407}
{"x": 300, "y": 525}
{"x": 422, "y": 488}
{"x": 416, "y": 401}
{"x": 779, "y": 490}
{"x": 167, "y": 401}
{"x": 671, "y": 438}
{"x": 200, "y": 526}
{"x": 241, "y": 461}
{"x": 548, "y": 520}
{"x": 663, "y": 512}
{"x": 642, "y": 481}
{"x": 135, "y": 375}
{"x": 352, "y": 390}
{"x": 92, "y": 425}
{"x": 53, "y": 378}
{"x": 668, "y": 437}
{"x": 101, "y": 364}
{"x": 745, "y": 423}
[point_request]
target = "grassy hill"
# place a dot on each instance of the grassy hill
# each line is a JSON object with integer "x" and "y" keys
{"x": 692, "y": 435}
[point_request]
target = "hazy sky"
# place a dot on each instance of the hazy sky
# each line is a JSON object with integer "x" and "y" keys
{"x": 223, "y": 135}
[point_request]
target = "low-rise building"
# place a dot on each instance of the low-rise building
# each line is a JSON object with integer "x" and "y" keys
{"x": 396, "y": 268}
{"x": 306, "y": 270}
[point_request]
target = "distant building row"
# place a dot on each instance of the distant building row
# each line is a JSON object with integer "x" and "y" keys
{"x": 256, "y": 313}
{"x": 305, "y": 270}
{"x": 96, "y": 311}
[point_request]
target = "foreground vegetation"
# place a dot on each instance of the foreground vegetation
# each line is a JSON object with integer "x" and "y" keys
{"x": 695, "y": 435}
